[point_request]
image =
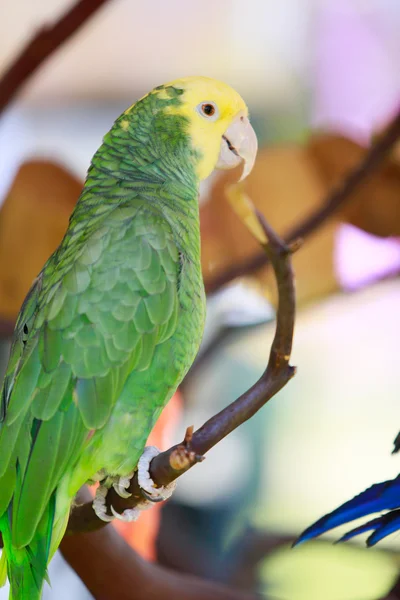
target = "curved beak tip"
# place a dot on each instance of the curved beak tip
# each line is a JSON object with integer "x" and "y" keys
{"x": 248, "y": 151}
{"x": 239, "y": 145}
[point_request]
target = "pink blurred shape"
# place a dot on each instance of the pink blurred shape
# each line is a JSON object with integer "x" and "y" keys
{"x": 356, "y": 91}
{"x": 361, "y": 258}
{"x": 357, "y": 80}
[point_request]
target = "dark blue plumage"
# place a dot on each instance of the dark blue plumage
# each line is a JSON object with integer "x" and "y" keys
{"x": 379, "y": 497}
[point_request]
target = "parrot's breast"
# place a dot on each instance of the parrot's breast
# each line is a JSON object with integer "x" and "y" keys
{"x": 158, "y": 294}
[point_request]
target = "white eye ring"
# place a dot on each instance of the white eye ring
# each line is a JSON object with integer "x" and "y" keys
{"x": 208, "y": 110}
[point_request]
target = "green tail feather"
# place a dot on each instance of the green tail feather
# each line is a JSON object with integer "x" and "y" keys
{"x": 27, "y": 566}
{"x": 3, "y": 569}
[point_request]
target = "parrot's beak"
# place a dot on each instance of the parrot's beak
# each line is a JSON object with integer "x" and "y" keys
{"x": 239, "y": 144}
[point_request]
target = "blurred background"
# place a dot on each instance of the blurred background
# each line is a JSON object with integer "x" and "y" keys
{"x": 321, "y": 78}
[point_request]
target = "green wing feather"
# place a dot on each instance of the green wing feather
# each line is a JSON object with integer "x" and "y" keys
{"x": 85, "y": 326}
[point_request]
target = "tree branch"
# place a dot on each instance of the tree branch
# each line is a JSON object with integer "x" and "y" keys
{"x": 335, "y": 199}
{"x": 111, "y": 569}
{"x": 169, "y": 465}
{"x": 42, "y": 45}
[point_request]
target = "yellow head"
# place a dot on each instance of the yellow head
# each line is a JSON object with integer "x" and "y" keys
{"x": 218, "y": 123}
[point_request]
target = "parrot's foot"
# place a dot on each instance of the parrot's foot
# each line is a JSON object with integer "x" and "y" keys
{"x": 99, "y": 504}
{"x": 147, "y": 485}
{"x": 148, "y": 488}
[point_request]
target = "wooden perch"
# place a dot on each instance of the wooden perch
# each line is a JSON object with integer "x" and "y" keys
{"x": 169, "y": 465}
{"x": 42, "y": 45}
{"x": 342, "y": 193}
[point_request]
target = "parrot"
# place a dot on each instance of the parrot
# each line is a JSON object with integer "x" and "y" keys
{"x": 383, "y": 496}
{"x": 113, "y": 321}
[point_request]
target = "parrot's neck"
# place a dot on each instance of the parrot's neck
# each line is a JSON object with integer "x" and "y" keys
{"x": 149, "y": 157}
{"x": 168, "y": 186}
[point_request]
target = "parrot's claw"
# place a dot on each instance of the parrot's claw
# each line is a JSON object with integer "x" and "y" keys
{"x": 129, "y": 515}
{"x": 100, "y": 506}
{"x": 147, "y": 485}
{"x": 122, "y": 485}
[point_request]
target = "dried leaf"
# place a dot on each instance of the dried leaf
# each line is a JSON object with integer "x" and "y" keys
{"x": 375, "y": 206}
{"x": 284, "y": 185}
{"x": 33, "y": 220}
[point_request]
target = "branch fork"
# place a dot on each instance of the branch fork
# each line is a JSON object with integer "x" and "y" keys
{"x": 183, "y": 457}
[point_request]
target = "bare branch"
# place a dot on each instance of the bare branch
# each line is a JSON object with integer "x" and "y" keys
{"x": 169, "y": 465}
{"x": 341, "y": 194}
{"x": 111, "y": 569}
{"x": 42, "y": 45}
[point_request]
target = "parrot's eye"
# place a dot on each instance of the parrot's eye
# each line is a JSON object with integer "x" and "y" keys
{"x": 208, "y": 110}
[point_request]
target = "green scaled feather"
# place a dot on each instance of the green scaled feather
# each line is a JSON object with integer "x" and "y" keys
{"x": 53, "y": 443}
{"x": 27, "y": 567}
{"x": 20, "y": 450}
{"x": 24, "y": 386}
{"x": 8, "y": 438}
{"x": 47, "y": 400}
{"x": 94, "y": 398}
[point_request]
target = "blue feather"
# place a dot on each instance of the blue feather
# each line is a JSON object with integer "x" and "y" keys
{"x": 368, "y": 526}
{"x": 389, "y": 523}
{"x": 379, "y": 497}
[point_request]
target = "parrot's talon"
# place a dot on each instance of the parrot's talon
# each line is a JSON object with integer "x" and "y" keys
{"x": 151, "y": 497}
{"x": 147, "y": 485}
{"x": 122, "y": 485}
{"x": 122, "y": 493}
{"x": 100, "y": 506}
{"x": 129, "y": 515}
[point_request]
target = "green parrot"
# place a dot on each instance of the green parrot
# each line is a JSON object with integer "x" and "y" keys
{"x": 113, "y": 321}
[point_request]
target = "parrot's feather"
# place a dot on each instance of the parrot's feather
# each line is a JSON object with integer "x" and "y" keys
{"x": 387, "y": 524}
{"x": 3, "y": 569}
{"x": 47, "y": 400}
{"x": 94, "y": 397}
{"x": 24, "y": 386}
{"x": 377, "y": 498}
{"x": 147, "y": 351}
{"x": 19, "y": 450}
{"x": 368, "y": 526}
{"x": 65, "y": 433}
{"x": 27, "y": 499}
{"x": 50, "y": 348}
{"x": 8, "y": 437}
{"x": 27, "y": 567}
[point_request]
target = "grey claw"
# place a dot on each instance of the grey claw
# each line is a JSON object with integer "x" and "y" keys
{"x": 151, "y": 497}
{"x": 129, "y": 515}
{"x": 121, "y": 486}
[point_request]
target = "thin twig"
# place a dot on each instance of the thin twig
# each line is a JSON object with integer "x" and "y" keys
{"x": 42, "y": 45}
{"x": 335, "y": 199}
{"x": 169, "y": 465}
